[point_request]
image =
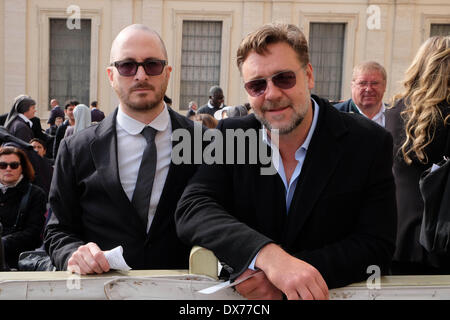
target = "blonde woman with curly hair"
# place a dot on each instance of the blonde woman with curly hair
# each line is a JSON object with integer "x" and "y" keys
{"x": 420, "y": 125}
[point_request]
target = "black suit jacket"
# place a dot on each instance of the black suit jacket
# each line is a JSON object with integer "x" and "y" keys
{"x": 342, "y": 218}
{"x": 97, "y": 115}
{"x": 206, "y": 109}
{"x": 57, "y": 111}
{"x": 347, "y": 106}
{"x": 60, "y": 132}
{"x": 89, "y": 203}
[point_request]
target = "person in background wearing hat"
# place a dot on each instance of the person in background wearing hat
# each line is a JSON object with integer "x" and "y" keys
{"x": 18, "y": 122}
{"x": 82, "y": 116}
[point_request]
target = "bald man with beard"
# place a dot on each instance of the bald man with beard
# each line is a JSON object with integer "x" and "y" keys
{"x": 93, "y": 195}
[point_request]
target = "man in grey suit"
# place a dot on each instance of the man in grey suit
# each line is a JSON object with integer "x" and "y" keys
{"x": 93, "y": 194}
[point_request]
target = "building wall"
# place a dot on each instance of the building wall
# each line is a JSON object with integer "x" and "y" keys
{"x": 24, "y": 37}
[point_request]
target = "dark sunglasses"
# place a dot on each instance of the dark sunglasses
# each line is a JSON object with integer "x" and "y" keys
{"x": 128, "y": 68}
{"x": 12, "y": 165}
{"x": 283, "y": 80}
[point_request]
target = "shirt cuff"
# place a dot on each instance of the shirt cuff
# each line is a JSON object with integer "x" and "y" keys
{"x": 252, "y": 264}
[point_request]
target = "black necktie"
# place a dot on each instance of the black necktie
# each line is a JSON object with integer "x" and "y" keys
{"x": 143, "y": 190}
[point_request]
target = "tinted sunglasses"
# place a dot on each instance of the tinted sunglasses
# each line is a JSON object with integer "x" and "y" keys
{"x": 12, "y": 165}
{"x": 128, "y": 68}
{"x": 282, "y": 80}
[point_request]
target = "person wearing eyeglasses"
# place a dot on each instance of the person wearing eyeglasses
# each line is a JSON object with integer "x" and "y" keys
{"x": 22, "y": 229}
{"x": 325, "y": 215}
{"x": 368, "y": 87}
{"x": 114, "y": 183}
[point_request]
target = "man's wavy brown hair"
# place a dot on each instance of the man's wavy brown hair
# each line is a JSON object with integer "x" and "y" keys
{"x": 259, "y": 39}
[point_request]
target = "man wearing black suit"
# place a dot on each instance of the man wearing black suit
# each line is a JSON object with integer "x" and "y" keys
{"x": 61, "y": 130}
{"x": 96, "y": 114}
{"x": 55, "y": 112}
{"x": 327, "y": 212}
{"x": 99, "y": 169}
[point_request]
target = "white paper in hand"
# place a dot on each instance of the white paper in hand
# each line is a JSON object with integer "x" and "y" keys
{"x": 116, "y": 260}
{"x": 226, "y": 284}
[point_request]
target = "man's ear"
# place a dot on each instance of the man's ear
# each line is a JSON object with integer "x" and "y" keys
{"x": 310, "y": 76}
{"x": 110, "y": 73}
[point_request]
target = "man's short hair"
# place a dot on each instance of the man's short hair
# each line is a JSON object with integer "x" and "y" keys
{"x": 259, "y": 39}
{"x": 369, "y": 66}
{"x": 192, "y": 103}
{"x": 71, "y": 103}
{"x": 94, "y": 104}
{"x": 141, "y": 27}
{"x": 214, "y": 89}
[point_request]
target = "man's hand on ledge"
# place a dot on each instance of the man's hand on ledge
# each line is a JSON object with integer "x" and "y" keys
{"x": 257, "y": 287}
{"x": 294, "y": 277}
{"x": 88, "y": 259}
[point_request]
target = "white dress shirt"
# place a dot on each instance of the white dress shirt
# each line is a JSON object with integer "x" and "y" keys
{"x": 130, "y": 148}
{"x": 379, "y": 117}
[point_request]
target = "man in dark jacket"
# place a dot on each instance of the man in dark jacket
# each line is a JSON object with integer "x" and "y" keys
{"x": 61, "y": 130}
{"x": 368, "y": 87}
{"x": 96, "y": 114}
{"x": 55, "y": 112}
{"x": 114, "y": 183}
{"x": 323, "y": 213}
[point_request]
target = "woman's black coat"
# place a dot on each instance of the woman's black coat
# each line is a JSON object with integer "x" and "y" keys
{"x": 27, "y": 236}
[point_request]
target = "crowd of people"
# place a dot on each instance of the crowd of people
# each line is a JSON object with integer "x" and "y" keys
{"x": 27, "y": 156}
{"x": 344, "y": 194}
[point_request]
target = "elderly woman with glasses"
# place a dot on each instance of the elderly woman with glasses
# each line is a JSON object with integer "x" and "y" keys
{"x": 22, "y": 205}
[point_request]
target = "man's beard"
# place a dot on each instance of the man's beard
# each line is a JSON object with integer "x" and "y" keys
{"x": 144, "y": 105}
{"x": 294, "y": 122}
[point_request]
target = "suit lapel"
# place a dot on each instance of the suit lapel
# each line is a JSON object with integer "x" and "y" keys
{"x": 321, "y": 160}
{"x": 104, "y": 154}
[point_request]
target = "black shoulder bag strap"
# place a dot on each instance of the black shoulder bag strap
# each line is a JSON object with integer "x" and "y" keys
{"x": 22, "y": 208}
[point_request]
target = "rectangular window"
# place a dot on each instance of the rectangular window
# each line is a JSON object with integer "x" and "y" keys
{"x": 200, "y": 60}
{"x": 326, "y": 51}
{"x": 439, "y": 29}
{"x": 70, "y": 59}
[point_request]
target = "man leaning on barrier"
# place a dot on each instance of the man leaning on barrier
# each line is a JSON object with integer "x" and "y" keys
{"x": 103, "y": 175}
{"x": 329, "y": 210}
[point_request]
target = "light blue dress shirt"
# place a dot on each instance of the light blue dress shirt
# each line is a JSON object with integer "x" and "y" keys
{"x": 300, "y": 155}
